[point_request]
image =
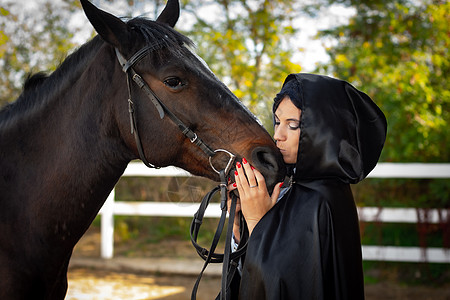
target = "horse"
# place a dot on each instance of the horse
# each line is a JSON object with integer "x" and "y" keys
{"x": 69, "y": 136}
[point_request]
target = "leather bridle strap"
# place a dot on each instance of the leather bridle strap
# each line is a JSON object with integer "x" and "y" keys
{"x": 127, "y": 67}
{"x": 230, "y": 260}
{"x": 127, "y": 64}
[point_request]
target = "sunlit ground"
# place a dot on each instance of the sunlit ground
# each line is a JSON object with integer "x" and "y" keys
{"x": 110, "y": 285}
{"x": 90, "y": 284}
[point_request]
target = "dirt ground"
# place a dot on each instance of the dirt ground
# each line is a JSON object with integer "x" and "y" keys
{"x": 106, "y": 285}
{"x": 102, "y": 284}
{"x": 92, "y": 284}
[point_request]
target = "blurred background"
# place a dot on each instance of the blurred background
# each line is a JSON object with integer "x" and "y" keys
{"x": 395, "y": 51}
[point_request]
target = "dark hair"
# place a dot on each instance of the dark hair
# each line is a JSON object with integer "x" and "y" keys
{"x": 292, "y": 89}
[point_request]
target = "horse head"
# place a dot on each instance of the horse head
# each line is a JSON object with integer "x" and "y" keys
{"x": 180, "y": 82}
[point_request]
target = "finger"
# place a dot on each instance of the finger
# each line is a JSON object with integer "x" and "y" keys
{"x": 276, "y": 193}
{"x": 231, "y": 187}
{"x": 260, "y": 181}
{"x": 237, "y": 183}
{"x": 241, "y": 179}
{"x": 249, "y": 172}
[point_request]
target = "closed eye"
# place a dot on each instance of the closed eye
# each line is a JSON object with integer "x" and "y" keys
{"x": 294, "y": 125}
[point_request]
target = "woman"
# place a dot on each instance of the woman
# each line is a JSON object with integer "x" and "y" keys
{"x": 304, "y": 239}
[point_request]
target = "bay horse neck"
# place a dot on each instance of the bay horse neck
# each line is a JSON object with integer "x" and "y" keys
{"x": 66, "y": 144}
{"x": 60, "y": 156}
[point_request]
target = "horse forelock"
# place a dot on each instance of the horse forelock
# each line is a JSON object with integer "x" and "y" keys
{"x": 171, "y": 42}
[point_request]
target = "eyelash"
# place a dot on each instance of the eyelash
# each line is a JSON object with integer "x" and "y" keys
{"x": 290, "y": 127}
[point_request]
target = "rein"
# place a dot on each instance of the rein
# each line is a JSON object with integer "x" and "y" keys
{"x": 230, "y": 260}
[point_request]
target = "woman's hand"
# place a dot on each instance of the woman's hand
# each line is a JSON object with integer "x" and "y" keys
{"x": 255, "y": 200}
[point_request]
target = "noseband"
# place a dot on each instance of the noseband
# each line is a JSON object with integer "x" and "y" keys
{"x": 230, "y": 260}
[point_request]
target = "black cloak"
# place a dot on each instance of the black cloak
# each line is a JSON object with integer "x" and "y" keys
{"x": 308, "y": 245}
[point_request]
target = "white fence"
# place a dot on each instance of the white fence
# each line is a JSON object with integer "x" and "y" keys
{"x": 368, "y": 214}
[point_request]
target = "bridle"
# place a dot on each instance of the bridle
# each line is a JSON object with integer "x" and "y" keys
{"x": 127, "y": 68}
{"x": 230, "y": 260}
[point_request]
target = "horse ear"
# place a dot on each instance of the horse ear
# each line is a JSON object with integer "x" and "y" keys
{"x": 112, "y": 30}
{"x": 170, "y": 14}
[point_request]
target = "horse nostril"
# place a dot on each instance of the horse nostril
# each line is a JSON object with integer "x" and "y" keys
{"x": 265, "y": 159}
{"x": 269, "y": 162}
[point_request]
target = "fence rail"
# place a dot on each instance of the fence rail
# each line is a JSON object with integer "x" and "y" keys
{"x": 367, "y": 214}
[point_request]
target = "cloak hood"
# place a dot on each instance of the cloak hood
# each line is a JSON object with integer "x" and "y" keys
{"x": 342, "y": 130}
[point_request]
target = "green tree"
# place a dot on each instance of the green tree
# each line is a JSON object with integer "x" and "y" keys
{"x": 397, "y": 52}
{"x": 248, "y": 45}
{"x": 32, "y": 41}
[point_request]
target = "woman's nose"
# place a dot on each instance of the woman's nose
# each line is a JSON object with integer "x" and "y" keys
{"x": 278, "y": 134}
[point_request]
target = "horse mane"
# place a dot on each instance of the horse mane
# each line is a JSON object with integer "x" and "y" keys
{"x": 34, "y": 80}
{"x": 39, "y": 89}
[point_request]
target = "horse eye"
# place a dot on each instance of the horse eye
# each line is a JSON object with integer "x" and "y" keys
{"x": 173, "y": 82}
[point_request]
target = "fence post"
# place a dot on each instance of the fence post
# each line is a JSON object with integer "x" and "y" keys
{"x": 107, "y": 227}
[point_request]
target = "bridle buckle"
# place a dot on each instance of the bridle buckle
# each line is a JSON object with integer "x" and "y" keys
{"x": 194, "y": 138}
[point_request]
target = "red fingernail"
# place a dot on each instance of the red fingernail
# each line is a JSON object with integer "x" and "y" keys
{"x": 238, "y": 165}
{"x": 252, "y": 167}
{"x": 235, "y": 173}
{"x": 281, "y": 184}
{"x": 244, "y": 161}
{"x": 229, "y": 180}
{"x": 234, "y": 184}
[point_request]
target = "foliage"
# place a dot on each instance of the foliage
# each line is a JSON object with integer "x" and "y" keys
{"x": 31, "y": 41}
{"x": 249, "y": 46}
{"x": 390, "y": 192}
{"x": 397, "y": 51}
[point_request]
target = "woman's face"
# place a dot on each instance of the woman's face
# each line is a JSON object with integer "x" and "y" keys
{"x": 287, "y": 129}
